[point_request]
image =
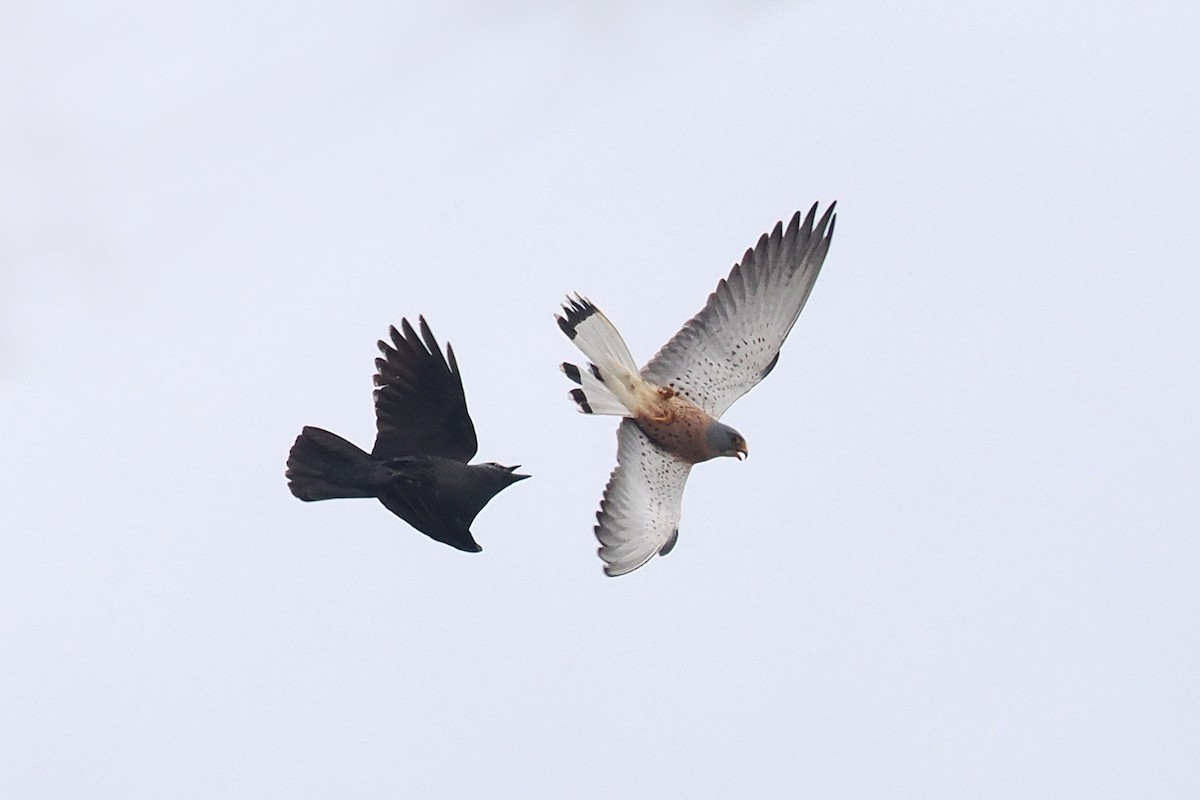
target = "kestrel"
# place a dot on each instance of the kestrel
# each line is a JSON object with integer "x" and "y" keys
{"x": 671, "y": 406}
{"x": 418, "y": 468}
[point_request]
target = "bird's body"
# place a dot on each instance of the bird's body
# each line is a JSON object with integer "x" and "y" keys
{"x": 673, "y": 405}
{"x": 678, "y": 426}
{"x": 418, "y": 467}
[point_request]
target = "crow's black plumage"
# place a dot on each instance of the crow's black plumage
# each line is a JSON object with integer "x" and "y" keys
{"x": 418, "y": 467}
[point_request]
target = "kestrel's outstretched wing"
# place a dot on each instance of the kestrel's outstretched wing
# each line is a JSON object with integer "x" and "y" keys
{"x": 420, "y": 409}
{"x": 639, "y": 514}
{"x": 733, "y": 343}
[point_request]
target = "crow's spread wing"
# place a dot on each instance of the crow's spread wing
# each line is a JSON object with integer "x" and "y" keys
{"x": 420, "y": 409}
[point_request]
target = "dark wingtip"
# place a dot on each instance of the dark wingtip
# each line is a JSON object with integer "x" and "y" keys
{"x": 572, "y": 372}
{"x": 827, "y": 222}
{"x": 670, "y": 543}
{"x": 384, "y": 346}
{"x": 410, "y": 335}
{"x": 767, "y": 369}
{"x": 430, "y": 340}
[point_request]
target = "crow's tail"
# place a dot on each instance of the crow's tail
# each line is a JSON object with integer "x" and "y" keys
{"x": 323, "y": 466}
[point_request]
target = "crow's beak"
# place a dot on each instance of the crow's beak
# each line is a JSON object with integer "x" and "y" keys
{"x": 516, "y": 475}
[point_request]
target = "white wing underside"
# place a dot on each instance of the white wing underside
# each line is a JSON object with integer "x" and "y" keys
{"x": 733, "y": 343}
{"x": 639, "y": 514}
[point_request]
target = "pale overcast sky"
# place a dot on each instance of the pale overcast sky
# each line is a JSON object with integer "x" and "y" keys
{"x": 963, "y": 559}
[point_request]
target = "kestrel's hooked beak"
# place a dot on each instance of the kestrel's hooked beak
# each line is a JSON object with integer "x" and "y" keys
{"x": 743, "y": 452}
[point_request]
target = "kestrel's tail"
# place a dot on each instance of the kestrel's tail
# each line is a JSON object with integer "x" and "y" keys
{"x": 611, "y": 384}
{"x": 593, "y": 396}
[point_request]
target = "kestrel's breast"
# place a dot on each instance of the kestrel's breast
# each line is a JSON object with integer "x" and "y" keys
{"x": 677, "y": 426}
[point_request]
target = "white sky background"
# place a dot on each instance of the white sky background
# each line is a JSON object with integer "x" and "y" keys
{"x": 962, "y": 560}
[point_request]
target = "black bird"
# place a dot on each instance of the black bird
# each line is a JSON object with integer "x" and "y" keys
{"x": 418, "y": 468}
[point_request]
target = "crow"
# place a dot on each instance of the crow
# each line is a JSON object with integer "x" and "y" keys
{"x": 418, "y": 467}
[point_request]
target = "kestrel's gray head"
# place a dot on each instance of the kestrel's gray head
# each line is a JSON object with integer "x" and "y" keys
{"x": 723, "y": 440}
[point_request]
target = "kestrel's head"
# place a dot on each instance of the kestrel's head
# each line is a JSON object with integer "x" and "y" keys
{"x": 723, "y": 440}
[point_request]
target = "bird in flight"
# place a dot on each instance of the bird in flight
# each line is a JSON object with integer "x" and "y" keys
{"x": 671, "y": 407}
{"x": 418, "y": 467}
